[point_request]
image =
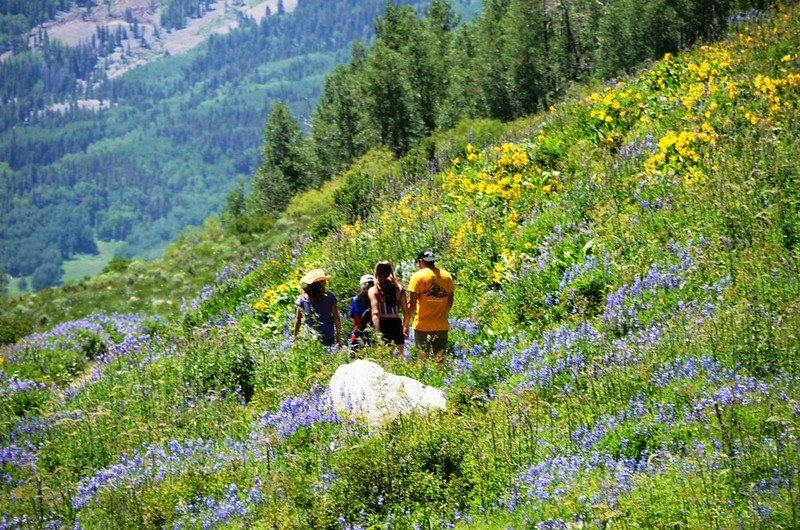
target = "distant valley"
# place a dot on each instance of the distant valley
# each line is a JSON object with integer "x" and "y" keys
{"x": 121, "y": 126}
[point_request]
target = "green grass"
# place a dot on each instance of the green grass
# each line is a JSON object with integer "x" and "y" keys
{"x": 85, "y": 265}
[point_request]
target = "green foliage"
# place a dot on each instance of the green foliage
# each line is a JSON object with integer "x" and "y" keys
{"x": 19, "y": 16}
{"x": 354, "y": 196}
{"x": 117, "y": 265}
{"x": 175, "y": 12}
{"x": 223, "y": 367}
{"x": 401, "y": 468}
{"x": 14, "y": 327}
{"x": 325, "y": 223}
{"x": 54, "y": 366}
{"x": 339, "y": 134}
{"x": 363, "y": 184}
{"x": 284, "y": 169}
{"x": 622, "y": 351}
{"x": 46, "y": 275}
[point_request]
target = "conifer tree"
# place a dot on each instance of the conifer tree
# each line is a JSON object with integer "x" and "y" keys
{"x": 338, "y": 126}
{"x": 283, "y": 169}
{"x": 389, "y": 98}
{"x": 491, "y": 73}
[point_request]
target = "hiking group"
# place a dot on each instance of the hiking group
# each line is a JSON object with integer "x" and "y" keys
{"x": 383, "y": 309}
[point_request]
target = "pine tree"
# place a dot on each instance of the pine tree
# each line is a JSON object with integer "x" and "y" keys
{"x": 491, "y": 74}
{"x": 339, "y": 129}
{"x": 389, "y": 98}
{"x": 284, "y": 164}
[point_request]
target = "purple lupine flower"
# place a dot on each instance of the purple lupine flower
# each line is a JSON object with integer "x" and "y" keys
{"x": 17, "y": 456}
{"x": 747, "y": 17}
{"x": 464, "y": 324}
{"x": 624, "y": 306}
{"x": 325, "y": 482}
{"x": 156, "y": 463}
{"x": 74, "y": 335}
{"x": 212, "y": 512}
{"x": 13, "y": 385}
{"x": 304, "y": 411}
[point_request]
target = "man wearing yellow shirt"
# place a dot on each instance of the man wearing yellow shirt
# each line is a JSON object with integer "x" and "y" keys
{"x": 432, "y": 290}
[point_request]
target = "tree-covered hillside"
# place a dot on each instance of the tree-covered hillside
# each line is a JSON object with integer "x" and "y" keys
{"x": 17, "y": 17}
{"x": 623, "y": 347}
{"x": 140, "y": 157}
{"x": 422, "y": 75}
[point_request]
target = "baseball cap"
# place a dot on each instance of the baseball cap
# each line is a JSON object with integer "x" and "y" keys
{"x": 366, "y": 279}
{"x": 426, "y": 256}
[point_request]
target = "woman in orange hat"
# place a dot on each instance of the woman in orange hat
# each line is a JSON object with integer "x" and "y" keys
{"x": 317, "y": 306}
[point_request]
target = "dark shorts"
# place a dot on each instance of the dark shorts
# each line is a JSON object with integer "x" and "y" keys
{"x": 431, "y": 341}
{"x": 392, "y": 330}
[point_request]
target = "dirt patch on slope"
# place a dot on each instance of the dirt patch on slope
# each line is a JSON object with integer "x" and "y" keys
{"x": 79, "y": 25}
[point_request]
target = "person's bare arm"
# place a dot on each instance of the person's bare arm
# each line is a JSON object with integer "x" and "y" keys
{"x": 337, "y": 323}
{"x": 404, "y": 305}
{"x": 375, "y": 308}
{"x": 412, "y": 309}
{"x": 298, "y": 318}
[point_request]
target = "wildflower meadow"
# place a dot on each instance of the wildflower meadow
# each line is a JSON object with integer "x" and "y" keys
{"x": 624, "y": 347}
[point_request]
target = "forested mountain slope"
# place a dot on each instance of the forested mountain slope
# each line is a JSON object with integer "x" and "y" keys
{"x": 137, "y": 158}
{"x": 624, "y": 340}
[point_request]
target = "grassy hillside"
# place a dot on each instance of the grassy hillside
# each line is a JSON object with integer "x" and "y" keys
{"x": 624, "y": 347}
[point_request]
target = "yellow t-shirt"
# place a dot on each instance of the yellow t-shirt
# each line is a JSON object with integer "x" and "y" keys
{"x": 433, "y": 288}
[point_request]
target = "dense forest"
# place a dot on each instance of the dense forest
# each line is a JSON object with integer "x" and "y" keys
{"x": 17, "y": 17}
{"x": 139, "y": 157}
{"x": 175, "y": 12}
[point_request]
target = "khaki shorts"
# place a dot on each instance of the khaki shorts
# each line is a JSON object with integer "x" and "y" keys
{"x": 431, "y": 341}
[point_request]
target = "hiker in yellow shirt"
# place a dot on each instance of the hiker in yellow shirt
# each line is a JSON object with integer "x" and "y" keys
{"x": 432, "y": 290}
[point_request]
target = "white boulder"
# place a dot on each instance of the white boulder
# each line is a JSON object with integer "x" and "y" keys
{"x": 362, "y": 389}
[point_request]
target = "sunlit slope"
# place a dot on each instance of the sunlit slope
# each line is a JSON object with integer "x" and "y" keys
{"x": 624, "y": 339}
